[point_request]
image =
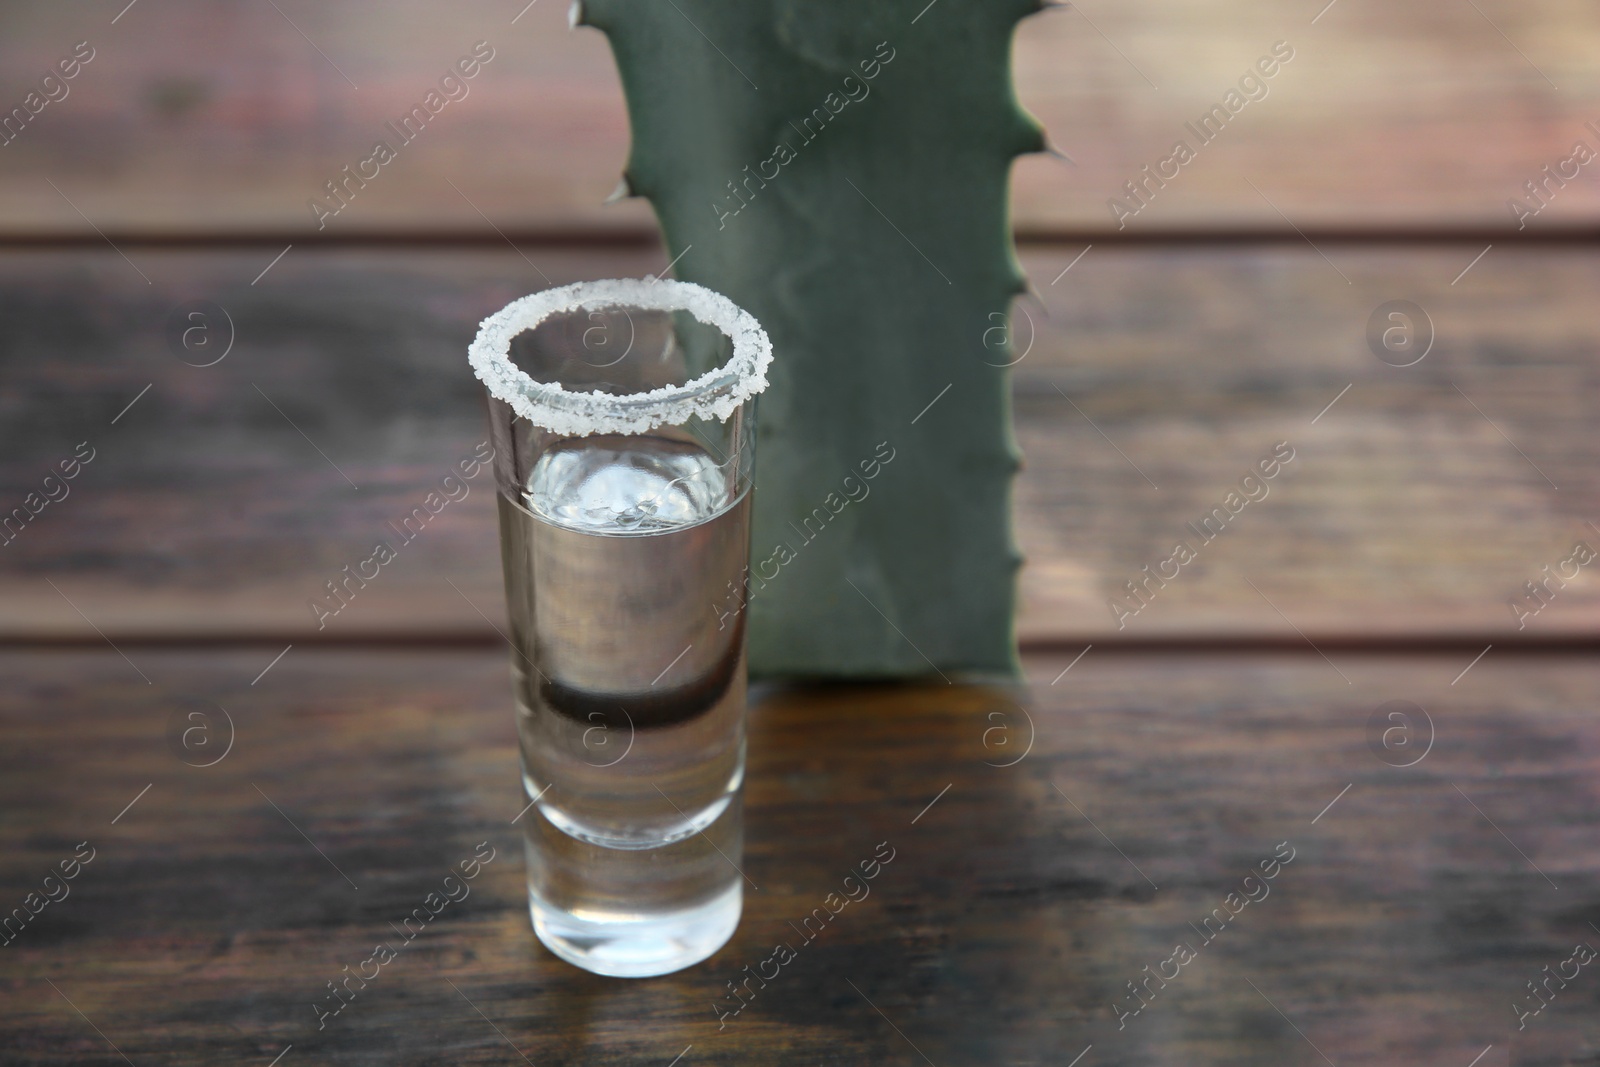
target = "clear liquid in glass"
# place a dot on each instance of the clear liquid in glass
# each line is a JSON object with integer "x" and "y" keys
{"x": 624, "y": 563}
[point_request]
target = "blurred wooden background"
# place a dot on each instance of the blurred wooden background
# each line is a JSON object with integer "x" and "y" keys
{"x": 1405, "y": 512}
{"x": 1222, "y": 319}
{"x": 199, "y": 117}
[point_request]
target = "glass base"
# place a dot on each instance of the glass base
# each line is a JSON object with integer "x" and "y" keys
{"x": 630, "y": 946}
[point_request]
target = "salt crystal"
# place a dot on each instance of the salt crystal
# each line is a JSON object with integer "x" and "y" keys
{"x": 571, "y": 413}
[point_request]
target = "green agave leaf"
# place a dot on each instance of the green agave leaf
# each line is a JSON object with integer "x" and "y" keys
{"x": 840, "y": 169}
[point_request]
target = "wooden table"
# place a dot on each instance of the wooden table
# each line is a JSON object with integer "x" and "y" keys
{"x": 1030, "y": 882}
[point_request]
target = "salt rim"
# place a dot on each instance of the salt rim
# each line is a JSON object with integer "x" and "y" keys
{"x": 714, "y": 394}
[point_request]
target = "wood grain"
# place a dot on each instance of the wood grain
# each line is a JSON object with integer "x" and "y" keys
{"x": 1002, "y": 932}
{"x": 194, "y": 118}
{"x": 208, "y": 511}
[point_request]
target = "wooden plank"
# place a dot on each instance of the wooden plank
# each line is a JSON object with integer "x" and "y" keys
{"x": 1421, "y": 498}
{"x": 192, "y": 117}
{"x": 1371, "y": 122}
{"x": 1020, "y": 902}
{"x": 217, "y": 503}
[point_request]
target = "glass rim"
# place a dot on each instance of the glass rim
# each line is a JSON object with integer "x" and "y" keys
{"x": 715, "y": 394}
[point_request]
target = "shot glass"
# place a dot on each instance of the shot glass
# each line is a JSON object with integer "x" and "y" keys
{"x": 622, "y": 417}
